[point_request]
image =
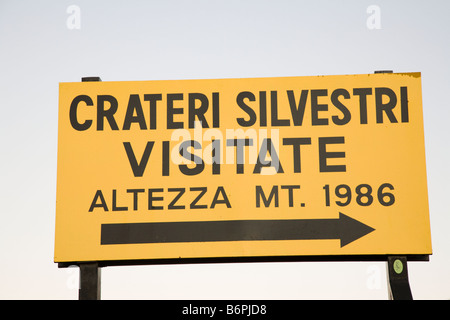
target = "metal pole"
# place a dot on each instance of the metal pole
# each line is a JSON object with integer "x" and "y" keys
{"x": 398, "y": 282}
{"x": 90, "y": 272}
{"x": 90, "y": 281}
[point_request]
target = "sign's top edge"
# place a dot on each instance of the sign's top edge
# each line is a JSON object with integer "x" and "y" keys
{"x": 409, "y": 74}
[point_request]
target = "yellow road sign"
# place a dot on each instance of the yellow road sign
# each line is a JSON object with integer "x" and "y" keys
{"x": 295, "y": 166}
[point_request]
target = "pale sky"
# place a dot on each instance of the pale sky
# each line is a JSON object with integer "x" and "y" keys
{"x": 43, "y": 44}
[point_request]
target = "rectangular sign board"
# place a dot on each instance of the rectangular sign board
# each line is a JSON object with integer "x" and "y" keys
{"x": 264, "y": 167}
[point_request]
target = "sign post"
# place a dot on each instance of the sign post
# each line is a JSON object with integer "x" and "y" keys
{"x": 397, "y": 271}
{"x": 90, "y": 272}
{"x": 327, "y": 168}
{"x": 90, "y": 281}
{"x": 398, "y": 281}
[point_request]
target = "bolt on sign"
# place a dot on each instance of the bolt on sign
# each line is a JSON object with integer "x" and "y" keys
{"x": 265, "y": 167}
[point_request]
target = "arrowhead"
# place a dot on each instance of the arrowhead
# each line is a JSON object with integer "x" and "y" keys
{"x": 351, "y": 229}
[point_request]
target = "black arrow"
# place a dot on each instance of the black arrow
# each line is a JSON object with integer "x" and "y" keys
{"x": 345, "y": 228}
